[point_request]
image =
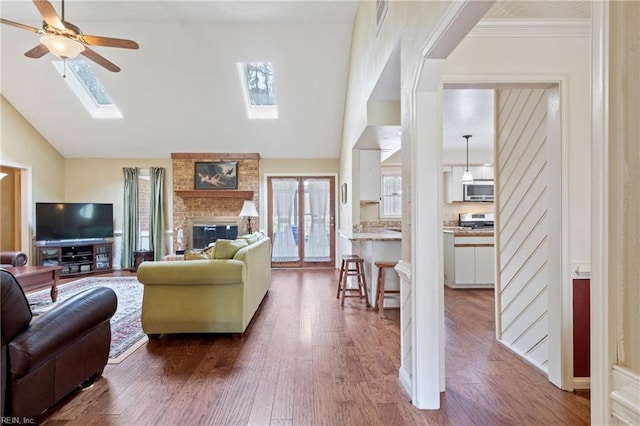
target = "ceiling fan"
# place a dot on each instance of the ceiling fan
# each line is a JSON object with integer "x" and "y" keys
{"x": 67, "y": 41}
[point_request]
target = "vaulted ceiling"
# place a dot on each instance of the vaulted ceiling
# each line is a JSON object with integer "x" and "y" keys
{"x": 181, "y": 91}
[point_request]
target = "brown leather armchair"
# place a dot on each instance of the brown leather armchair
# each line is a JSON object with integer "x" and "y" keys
{"x": 45, "y": 359}
{"x": 13, "y": 258}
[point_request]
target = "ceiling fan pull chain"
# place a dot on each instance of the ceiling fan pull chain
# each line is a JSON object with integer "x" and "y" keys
{"x": 64, "y": 68}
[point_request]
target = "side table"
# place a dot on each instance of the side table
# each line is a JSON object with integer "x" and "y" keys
{"x": 140, "y": 256}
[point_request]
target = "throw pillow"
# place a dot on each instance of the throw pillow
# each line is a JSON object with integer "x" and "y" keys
{"x": 226, "y": 249}
{"x": 250, "y": 238}
{"x": 195, "y": 255}
{"x": 209, "y": 250}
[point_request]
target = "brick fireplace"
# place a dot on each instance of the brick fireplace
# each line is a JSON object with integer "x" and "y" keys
{"x": 212, "y": 206}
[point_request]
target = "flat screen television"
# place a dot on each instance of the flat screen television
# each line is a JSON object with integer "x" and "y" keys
{"x": 73, "y": 221}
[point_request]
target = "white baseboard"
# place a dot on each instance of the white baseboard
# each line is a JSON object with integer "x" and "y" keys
{"x": 625, "y": 396}
{"x": 405, "y": 381}
{"x": 582, "y": 382}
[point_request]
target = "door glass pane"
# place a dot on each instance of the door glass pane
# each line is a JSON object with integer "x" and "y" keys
{"x": 316, "y": 220}
{"x": 285, "y": 224}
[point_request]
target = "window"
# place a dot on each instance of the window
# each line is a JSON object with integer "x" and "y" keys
{"x": 86, "y": 86}
{"x": 144, "y": 208}
{"x": 391, "y": 196}
{"x": 258, "y": 82}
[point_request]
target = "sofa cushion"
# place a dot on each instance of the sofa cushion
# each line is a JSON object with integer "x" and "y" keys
{"x": 226, "y": 249}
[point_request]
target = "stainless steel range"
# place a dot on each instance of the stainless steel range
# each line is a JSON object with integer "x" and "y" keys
{"x": 476, "y": 220}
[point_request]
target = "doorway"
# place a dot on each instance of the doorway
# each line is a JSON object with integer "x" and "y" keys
{"x": 15, "y": 210}
{"x": 301, "y": 221}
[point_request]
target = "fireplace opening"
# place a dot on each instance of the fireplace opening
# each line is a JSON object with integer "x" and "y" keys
{"x": 203, "y": 235}
{"x": 204, "y": 231}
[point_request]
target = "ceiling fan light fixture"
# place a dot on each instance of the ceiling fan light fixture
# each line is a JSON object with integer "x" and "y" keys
{"x": 62, "y": 47}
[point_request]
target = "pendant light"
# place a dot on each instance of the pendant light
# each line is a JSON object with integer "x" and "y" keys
{"x": 467, "y": 177}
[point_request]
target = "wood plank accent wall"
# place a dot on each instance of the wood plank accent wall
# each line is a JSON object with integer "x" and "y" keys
{"x": 521, "y": 207}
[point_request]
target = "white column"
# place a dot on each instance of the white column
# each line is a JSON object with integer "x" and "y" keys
{"x": 427, "y": 262}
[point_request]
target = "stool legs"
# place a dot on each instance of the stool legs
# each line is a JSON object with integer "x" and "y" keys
{"x": 380, "y": 291}
{"x": 362, "y": 283}
{"x": 342, "y": 271}
{"x": 352, "y": 266}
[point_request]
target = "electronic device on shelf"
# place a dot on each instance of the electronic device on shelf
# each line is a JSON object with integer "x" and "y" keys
{"x": 73, "y": 221}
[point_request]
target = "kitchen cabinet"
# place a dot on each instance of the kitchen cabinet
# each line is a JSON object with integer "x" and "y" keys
{"x": 484, "y": 265}
{"x": 452, "y": 180}
{"x": 370, "y": 176}
{"x": 469, "y": 259}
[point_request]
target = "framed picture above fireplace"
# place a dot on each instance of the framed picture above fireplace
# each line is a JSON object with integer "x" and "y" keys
{"x": 216, "y": 175}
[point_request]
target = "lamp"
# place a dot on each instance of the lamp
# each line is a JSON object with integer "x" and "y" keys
{"x": 467, "y": 177}
{"x": 3, "y": 175}
{"x": 249, "y": 211}
{"x": 62, "y": 47}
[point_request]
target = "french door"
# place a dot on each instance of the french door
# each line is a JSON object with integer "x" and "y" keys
{"x": 302, "y": 221}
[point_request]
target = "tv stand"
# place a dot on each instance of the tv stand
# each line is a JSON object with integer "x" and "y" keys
{"x": 76, "y": 258}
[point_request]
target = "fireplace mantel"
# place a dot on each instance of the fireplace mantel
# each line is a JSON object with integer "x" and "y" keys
{"x": 214, "y": 193}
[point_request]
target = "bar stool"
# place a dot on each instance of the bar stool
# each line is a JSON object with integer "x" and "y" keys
{"x": 352, "y": 266}
{"x": 381, "y": 292}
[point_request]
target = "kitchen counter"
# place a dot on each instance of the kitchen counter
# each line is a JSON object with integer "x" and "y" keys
{"x": 372, "y": 236}
{"x": 463, "y": 231}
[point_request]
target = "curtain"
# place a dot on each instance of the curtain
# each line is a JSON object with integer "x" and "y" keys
{"x": 317, "y": 245}
{"x": 130, "y": 226}
{"x": 156, "y": 217}
{"x": 284, "y": 246}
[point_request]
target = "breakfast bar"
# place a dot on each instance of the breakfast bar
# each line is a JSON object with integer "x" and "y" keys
{"x": 383, "y": 246}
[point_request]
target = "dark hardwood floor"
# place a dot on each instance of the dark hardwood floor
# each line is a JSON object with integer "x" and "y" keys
{"x": 306, "y": 361}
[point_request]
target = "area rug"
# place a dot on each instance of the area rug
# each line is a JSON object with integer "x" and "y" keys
{"x": 126, "y": 331}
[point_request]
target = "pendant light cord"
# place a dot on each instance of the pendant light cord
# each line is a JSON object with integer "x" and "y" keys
{"x": 467, "y": 138}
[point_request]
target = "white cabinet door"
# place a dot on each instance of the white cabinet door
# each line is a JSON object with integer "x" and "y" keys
{"x": 369, "y": 175}
{"x": 456, "y": 183}
{"x": 464, "y": 265}
{"x": 484, "y": 265}
{"x": 449, "y": 259}
{"x": 486, "y": 172}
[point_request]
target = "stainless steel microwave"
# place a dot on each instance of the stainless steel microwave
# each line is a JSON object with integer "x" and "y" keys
{"x": 479, "y": 190}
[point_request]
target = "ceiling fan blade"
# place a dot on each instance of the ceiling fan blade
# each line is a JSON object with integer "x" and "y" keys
{"x": 100, "y": 60}
{"x": 23, "y": 26}
{"x": 37, "y": 52}
{"x": 109, "y": 42}
{"x": 49, "y": 13}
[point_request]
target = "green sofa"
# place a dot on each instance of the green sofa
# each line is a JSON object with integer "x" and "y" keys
{"x": 205, "y": 296}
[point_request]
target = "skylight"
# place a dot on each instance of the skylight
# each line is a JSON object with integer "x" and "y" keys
{"x": 258, "y": 82}
{"x": 86, "y": 86}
